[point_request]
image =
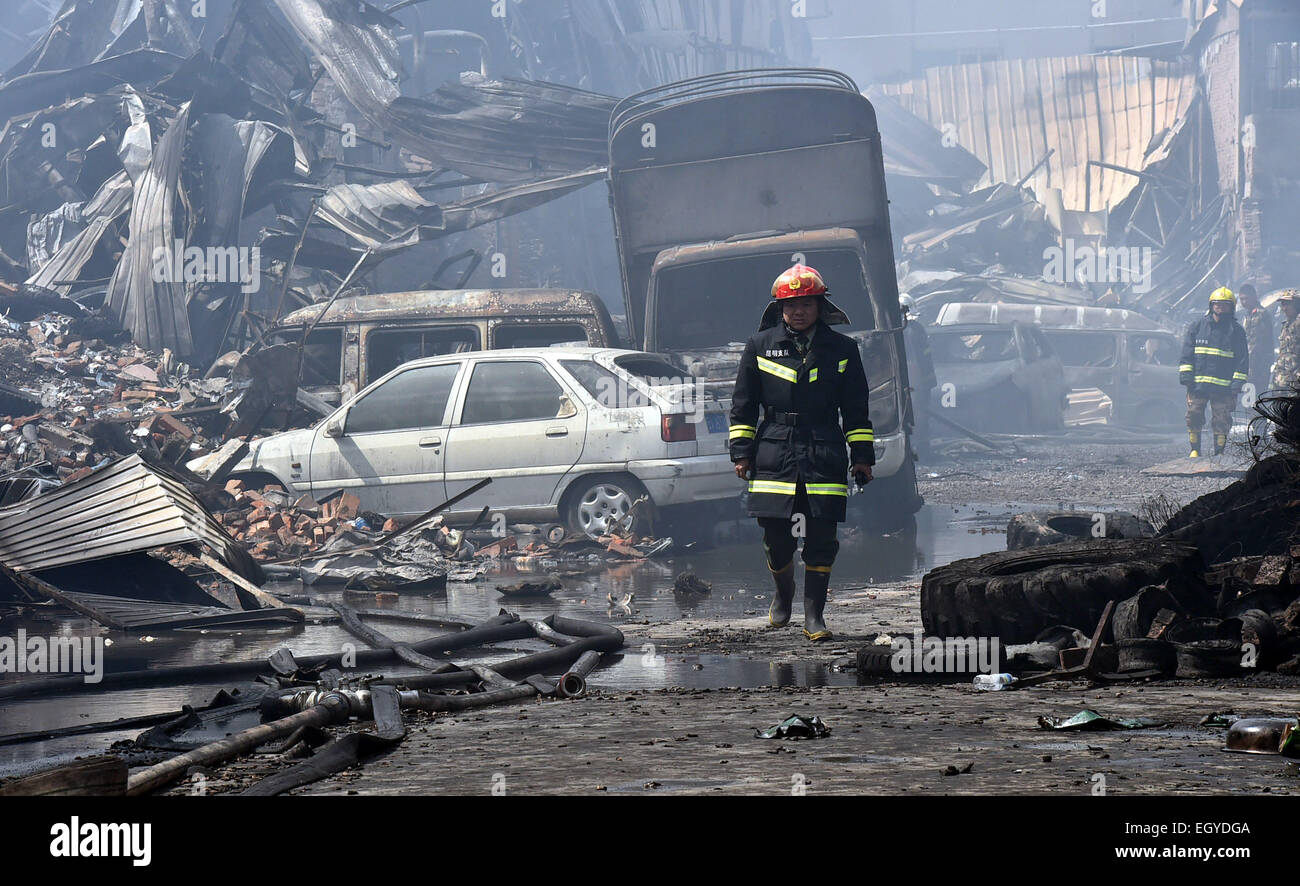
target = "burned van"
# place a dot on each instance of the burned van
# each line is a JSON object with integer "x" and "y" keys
{"x": 360, "y": 338}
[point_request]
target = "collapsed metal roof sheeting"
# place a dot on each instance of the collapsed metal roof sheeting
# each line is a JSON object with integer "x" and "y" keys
{"x": 265, "y": 52}
{"x": 123, "y": 508}
{"x": 354, "y": 42}
{"x": 915, "y": 149}
{"x": 393, "y": 214}
{"x": 41, "y": 89}
{"x": 506, "y": 130}
{"x": 1010, "y": 113}
{"x": 111, "y": 200}
{"x": 154, "y": 310}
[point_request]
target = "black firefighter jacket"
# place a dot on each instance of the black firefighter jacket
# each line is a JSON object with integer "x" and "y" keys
{"x": 786, "y": 416}
{"x": 1214, "y": 361}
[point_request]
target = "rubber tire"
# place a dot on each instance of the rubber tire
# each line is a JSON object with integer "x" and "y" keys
{"x": 1134, "y": 615}
{"x": 1142, "y": 654}
{"x": 1263, "y": 500}
{"x": 643, "y": 519}
{"x": 1014, "y": 595}
{"x": 1056, "y": 527}
{"x": 1209, "y": 658}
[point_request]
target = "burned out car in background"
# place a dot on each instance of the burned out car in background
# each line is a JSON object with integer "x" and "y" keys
{"x": 1002, "y": 378}
{"x": 1130, "y": 358}
{"x": 358, "y": 339}
{"x": 715, "y": 193}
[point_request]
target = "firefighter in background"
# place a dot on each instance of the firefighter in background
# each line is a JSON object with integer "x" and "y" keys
{"x": 1286, "y": 372}
{"x": 1213, "y": 369}
{"x": 920, "y": 372}
{"x": 1258, "y": 323}
{"x": 798, "y": 413}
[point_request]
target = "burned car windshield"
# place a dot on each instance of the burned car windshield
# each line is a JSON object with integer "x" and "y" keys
{"x": 708, "y": 304}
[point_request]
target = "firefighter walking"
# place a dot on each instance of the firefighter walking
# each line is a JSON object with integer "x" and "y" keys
{"x": 798, "y": 412}
{"x": 1213, "y": 368}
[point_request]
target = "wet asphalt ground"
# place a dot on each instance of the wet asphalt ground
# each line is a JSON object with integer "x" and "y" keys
{"x": 689, "y": 646}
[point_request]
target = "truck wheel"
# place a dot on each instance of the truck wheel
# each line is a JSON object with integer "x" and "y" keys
{"x": 1013, "y": 595}
{"x": 595, "y": 505}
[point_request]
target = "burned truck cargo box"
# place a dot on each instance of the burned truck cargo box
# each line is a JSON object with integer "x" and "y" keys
{"x": 714, "y": 194}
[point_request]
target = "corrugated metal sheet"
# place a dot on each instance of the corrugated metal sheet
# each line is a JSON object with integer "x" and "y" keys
{"x": 123, "y": 508}
{"x": 1010, "y": 113}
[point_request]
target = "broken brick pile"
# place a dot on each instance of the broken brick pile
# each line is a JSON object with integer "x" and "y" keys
{"x": 71, "y": 401}
{"x": 277, "y": 525}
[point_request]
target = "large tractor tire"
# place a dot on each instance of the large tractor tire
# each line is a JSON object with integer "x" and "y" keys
{"x": 1013, "y": 595}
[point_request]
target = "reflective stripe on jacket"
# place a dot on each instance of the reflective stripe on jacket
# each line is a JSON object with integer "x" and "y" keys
{"x": 827, "y": 389}
{"x": 1215, "y": 358}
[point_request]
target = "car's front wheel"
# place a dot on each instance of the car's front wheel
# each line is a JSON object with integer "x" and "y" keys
{"x": 601, "y": 504}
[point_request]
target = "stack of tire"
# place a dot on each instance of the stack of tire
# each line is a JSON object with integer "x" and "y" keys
{"x": 1245, "y": 638}
{"x": 1256, "y": 515}
{"x": 1014, "y": 595}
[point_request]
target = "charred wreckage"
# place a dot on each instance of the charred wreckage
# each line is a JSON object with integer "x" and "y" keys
{"x": 221, "y": 344}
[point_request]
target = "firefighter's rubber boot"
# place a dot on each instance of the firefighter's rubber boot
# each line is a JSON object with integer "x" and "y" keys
{"x": 815, "y": 583}
{"x": 1194, "y": 438}
{"x": 1220, "y": 443}
{"x": 778, "y": 614}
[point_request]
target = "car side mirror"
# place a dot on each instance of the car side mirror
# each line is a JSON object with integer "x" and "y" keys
{"x": 567, "y": 409}
{"x": 334, "y": 427}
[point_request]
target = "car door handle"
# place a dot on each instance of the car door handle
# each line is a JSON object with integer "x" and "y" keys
{"x": 429, "y": 442}
{"x": 557, "y": 432}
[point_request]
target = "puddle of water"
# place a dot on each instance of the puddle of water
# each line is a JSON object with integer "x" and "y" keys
{"x": 709, "y": 671}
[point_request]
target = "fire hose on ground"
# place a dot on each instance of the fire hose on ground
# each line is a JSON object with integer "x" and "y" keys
{"x": 296, "y": 709}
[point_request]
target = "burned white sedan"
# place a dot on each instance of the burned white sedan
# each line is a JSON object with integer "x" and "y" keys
{"x": 568, "y": 434}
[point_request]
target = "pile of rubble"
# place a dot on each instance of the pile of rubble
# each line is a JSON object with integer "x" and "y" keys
{"x": 70, "y": 400}
{"x": 280, "y": 525}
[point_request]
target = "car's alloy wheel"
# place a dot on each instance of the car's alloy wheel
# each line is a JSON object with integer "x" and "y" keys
{"x": 602, "y": 508}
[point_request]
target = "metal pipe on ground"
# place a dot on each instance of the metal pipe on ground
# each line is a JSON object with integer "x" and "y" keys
{"x": 332, "y": 708}
{"x": 335, "y": 706}
{"x": 574, "y": 682}
{"x": 495, "y": 629}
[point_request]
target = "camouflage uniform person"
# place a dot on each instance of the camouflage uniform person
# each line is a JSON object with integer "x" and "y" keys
{"x": 1258, "y": 323}
{"x": 1287, "y": 369}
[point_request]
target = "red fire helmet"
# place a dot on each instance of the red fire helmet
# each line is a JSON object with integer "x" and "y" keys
{"x": 797, "y": 282}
